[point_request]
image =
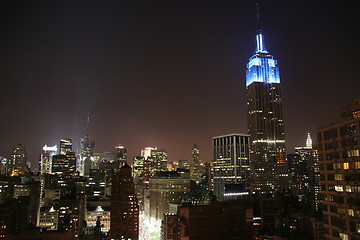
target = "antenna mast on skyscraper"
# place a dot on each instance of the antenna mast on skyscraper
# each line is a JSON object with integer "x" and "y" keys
{"x": 87, "y": 124}
{"x": 258, "y": 16}
{"x": 260, "y": 47}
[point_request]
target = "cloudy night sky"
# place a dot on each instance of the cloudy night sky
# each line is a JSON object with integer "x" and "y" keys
{"x": 167, "y": 73}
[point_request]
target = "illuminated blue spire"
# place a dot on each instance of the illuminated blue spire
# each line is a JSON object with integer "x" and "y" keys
{"x": 260, "y": 46}
{"x": 262, "y": 66}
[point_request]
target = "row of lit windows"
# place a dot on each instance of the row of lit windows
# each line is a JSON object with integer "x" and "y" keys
{"x": 341, "y": 166}
{"x": 336, "y": 155}
{"x": 342, "y": 188}
{"x": 354, "y": 177}
{"x": 348, "y": 211}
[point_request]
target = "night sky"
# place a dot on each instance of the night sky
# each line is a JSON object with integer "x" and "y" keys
{"x": 167, "y": 73}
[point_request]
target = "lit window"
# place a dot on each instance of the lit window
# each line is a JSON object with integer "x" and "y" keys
{"x": 338, "y": 188}
{"x": 338, "y": 177}
{"x": 357, "y": 227}
{"x": 357, "y": 165}
{"x": 344, "y": 236}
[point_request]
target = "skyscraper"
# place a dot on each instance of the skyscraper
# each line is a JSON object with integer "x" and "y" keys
{"x": 304, "y": 169}
{"x": 46, "y": 159}
{"x": 124, "y": 206}
{"x": 149, "y": 162}
{"x": 265, "y": 119}
{"x": 160, "y": 159}
{"x": 18, "y": 159}
{"x": 230, "y": 166}
{"x": 86, "y": 153}
{"x": 65, "y": 146}
{"x": 146, "y": 152}
{"x": 120, "y": 155}
{"x": 195, "y": 168}
{"x": 5, "y": 165}
{"x": 64, "y": 164}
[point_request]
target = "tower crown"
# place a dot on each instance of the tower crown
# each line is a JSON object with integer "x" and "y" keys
{"x": 262, "y": 66}
{"x": 309, "y": 141}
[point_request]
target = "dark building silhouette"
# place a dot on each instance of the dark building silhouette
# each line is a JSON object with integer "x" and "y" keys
{"x": 124, "y": 206}
{"x": 19, "y": 159}
{"x": 218, "y": 220}
{"x": 120, "y": 155}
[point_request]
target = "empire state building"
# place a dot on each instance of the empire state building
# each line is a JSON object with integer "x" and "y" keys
{"x": 265, "y": 121}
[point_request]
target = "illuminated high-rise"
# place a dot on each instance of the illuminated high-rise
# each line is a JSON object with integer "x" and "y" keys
{"x": 195, "y": 168}
{"x": 155, "y": 160}
{"x": 149, "y": 162}
{"x": 64, "y": 164}
{"x": 231, "y": 167}
{"x": 46, "y": 158}
{"x": 146, "y": 152}
{"x": 160, "y": 159}
{"x": 18, "y": 159}
{"x": 65, "y": 146}
{"x": 265, "y": 120}
{"x": 86, "y": 153}
{"x": 120, "y": 155}
{"x": 304, "y": 170}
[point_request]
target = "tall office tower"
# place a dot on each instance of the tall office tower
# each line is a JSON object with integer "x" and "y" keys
{"x": 339, "y": 159}
{"x": 231, "y": 167}
{"x": 64, "y": 164}
{"x": 138, "y": 168}
{"x": 65, "y": 146}
{"x": 86, "y": 153}
{"x": 304, "y": 167}
{"x": 46, "y": 159}
{"x": 18, "y": 159}
{"x": 160, "y": 159}
{"x": 5, "y": 165}
{"x": 195, "y": 168}
{"x": 265, "y": 120}
{"x": 124, "y": 206}
{"x": 120, "y": 155}
{"x": 149, "y": 163}
{"x": 146, "y": 152}
{"x": 139, "y": 180}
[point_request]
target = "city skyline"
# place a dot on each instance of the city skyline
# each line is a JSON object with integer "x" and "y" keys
{"x": 115, "y": 60}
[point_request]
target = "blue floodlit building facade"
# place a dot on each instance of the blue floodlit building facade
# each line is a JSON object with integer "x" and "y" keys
{"x": 265, "y": 121}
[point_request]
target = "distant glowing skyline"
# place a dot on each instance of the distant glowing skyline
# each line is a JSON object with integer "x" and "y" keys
{"x": 168, "y": 74}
